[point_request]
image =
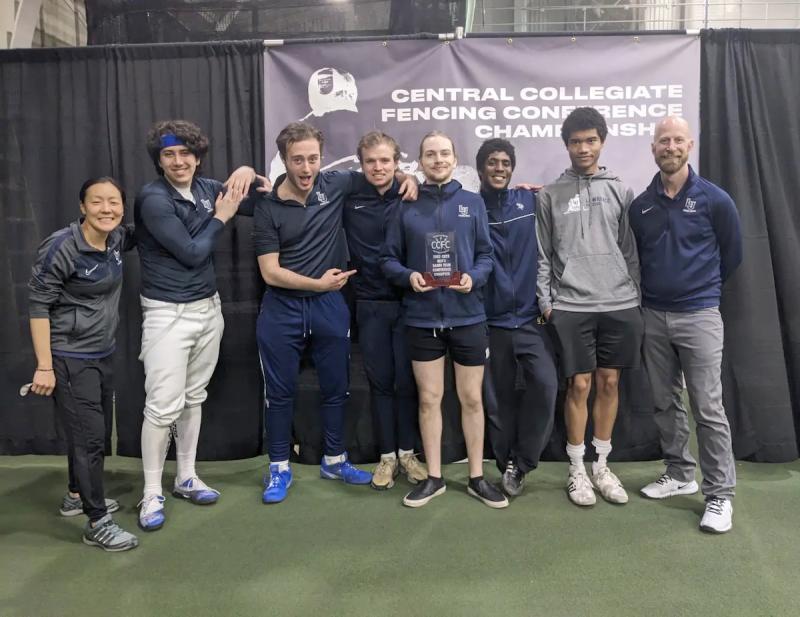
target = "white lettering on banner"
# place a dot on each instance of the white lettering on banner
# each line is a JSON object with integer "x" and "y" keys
{"x": 514, "y": 131}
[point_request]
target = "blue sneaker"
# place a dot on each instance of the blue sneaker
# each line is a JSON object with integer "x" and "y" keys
{"x": 276, "y": 485}
{"x": 345, "y": 472}
{"x": 196, "y": 491}
{"x": 151, "y": 512}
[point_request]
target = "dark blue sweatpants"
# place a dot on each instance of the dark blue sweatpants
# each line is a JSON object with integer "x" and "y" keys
{"x": 388, "y": 368}
{"x": 286, "y": 324}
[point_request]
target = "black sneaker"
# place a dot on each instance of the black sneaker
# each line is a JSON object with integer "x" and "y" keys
{"x": 488, "y": 494}
{"x": 424, "y": 492}
{"x": 513, "y": 480}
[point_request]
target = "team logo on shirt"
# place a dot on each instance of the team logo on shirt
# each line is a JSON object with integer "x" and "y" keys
{"x": 206, "y": 204}
{"x": 520, "y": 206}
{"x": 574, "y": 204}
{"x": 322, "y": 198}
{"x": 117, "y": 257}
{"x": 690, "y": 206}
{"x": 463, "y": 211}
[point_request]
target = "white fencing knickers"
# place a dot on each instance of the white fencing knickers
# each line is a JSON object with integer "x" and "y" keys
{"x": 180, "y": 348}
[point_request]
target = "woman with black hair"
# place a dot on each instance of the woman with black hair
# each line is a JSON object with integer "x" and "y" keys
{"x": 74, "y": 295}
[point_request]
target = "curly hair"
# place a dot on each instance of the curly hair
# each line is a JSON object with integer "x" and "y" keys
{"x": 187, "y": 132}
{"x": 494, "y": 145}
{"x": 297, "y": 131}
{"x": 584, "y": 119}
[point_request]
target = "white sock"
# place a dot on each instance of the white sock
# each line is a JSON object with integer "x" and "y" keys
{"x": 282, "y": 465}
{"x": 188, "y": 432}
{"x": 155, "y": 441}
{"x": 402, "y": 452}
{"x": 389, "y": 456}
{"x": 332, "y": 460}
{"x": 603, "y": 449}
{"x": 575, "y": 454}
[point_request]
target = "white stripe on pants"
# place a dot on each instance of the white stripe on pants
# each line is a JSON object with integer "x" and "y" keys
{"x": 180, "y": 348}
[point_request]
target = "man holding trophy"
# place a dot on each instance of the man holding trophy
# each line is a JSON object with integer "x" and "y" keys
{"x": 439, "y": 250}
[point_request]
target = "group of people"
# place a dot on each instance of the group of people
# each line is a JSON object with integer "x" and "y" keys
{"x": 577, "y": 280}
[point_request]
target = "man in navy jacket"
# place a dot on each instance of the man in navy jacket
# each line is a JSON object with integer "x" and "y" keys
{"x": 442, "y": 319}
{"x": 520, "y": 422}
{"x": 382, "y": 333}
{"x": 687, "y": 233}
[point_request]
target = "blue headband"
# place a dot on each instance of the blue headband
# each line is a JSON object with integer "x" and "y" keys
{"x": 170, "y": 140}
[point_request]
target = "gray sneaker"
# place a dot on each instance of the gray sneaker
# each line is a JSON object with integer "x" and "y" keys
{"x": 73, "y": 506}
{"x": 109, "y": 536}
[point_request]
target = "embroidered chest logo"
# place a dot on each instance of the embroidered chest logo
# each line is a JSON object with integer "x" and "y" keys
{"x": 322, "y": 198}
{"x": 117, "y": 257}
{"x": 359, "y": 206}
{"x": 574, "y": 204}
{"x": 690, "y": 206}
{"x": 207, "y": 205}
{"x": 463, "y": 211}
{"x": 88, "y": 271}
{"x": 520, "y": 206}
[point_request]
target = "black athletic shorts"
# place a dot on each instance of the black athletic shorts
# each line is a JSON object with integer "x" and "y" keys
{"x": 468, "y": 345}
{"x": 587, "y": 341}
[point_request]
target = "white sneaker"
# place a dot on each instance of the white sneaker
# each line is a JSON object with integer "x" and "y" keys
{"x": 608, "y": 484}
{"x": 718, "y": 517}
{"x": 579, "y": 487}
{"x": 667, "y": 486}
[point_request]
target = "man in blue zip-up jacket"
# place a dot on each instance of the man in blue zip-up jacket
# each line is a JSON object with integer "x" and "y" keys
{"x": 687, "y": 232}
{"x": 520, "y": 422}
{"x": 442, "y": 319}
{"x": 384, "y": 351}
{"x": 179, "y": 218}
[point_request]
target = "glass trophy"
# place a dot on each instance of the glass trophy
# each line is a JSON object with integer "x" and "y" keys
{"x": 441, "y": 260}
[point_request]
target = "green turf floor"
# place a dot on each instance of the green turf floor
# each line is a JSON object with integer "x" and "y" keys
{"x": 332, "y": 550}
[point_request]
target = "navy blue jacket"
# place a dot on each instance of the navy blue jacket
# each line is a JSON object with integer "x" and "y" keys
{"x": 176, "y": 239}
{"x": 688, "y": 246}
{"x": 447, "y": 208}
{"x": 309, "y": 237}
{"x": 366, "y": 216}
{"x": 77, "y": 288}
{"x": 510, "y": 294}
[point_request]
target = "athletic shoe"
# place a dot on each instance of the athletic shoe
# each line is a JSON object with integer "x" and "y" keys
{"x": 73, "y": 506}
{"x": 345, "y": 472}
{"x": 414, "y": 470}
{"x": 109, "y": 536}
{"x": 276, "y": 485}
{"x": 718, "y": 517}
{"x": 196, "y": 491}
{"x": 579, "y": 487}
{"x": 151, "y": 512}
{"x": 384, "y": 474}
{"x": 513, "y": 480}
{"x": 487, "y": 493}
{"x": 609, "y": 485}
{"x": 424, "y": 492}
{"x": 667, "y": 486}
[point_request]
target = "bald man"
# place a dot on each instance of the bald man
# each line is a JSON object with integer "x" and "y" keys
{"x": 687, "y": 233}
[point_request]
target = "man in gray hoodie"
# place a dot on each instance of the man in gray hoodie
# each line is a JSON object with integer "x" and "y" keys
{"x": 588, "y": 289}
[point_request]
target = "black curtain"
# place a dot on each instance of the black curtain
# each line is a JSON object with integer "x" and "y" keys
{"x": 68, "y": 114}
{"x": 750, "y": 146}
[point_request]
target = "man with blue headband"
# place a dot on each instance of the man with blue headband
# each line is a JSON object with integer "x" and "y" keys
{"x": 179, "y": 218}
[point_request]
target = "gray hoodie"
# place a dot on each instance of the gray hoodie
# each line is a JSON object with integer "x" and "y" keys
{"x": 587, "y": 252}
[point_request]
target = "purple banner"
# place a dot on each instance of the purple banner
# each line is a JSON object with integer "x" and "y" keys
{"x": 474, "y": 89}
